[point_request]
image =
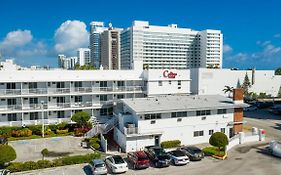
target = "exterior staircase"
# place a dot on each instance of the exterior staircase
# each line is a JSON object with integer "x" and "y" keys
{"x": 101, "y": 128}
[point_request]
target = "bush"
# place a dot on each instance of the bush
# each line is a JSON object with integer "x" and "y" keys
{"x": 70, "y": 160}
{"x": 7, "y": 154}
{"x": 64, "y": 131}
{"x": 62, "y": 126}
{"x": 36, "y": 129}
{"x": 81, "y": 118}
{"x": 219, "y": 140}
{"x": 8, "y": 130}
{"x": 49, "y": 132}
{"x": 78, "y": 132}
{"x": 52, "y": 127}
{"x": 213, "y": 151}
{"x": 171, "y": 144}
{"x": 45, "y": 152}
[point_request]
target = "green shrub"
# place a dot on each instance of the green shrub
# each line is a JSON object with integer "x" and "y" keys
{"x": 45, "y": 152}
{"x": 213, "y": 151}
{"x": 81, "y": 118}
{"x": 63, "y": 131}
{"x": 69, "y": 160}
{"x": 219, "y": 140}
{"x": 7, "y": 130}
{"x": 36, "y": 129}
{"x": 49, "y": 132}
{"x": 44, "y": 164}
{"x": 52, "y": 127}
{"x": 62, "y": 126}
{"x": 171, "y": 144}
{"x": 7, "y": 154}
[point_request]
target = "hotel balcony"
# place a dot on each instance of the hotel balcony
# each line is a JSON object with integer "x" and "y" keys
{"x": 50, "y": 106}
{"x": 80, "y": 90}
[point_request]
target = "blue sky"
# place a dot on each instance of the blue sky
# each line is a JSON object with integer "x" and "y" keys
{"x": 33, "y": 32}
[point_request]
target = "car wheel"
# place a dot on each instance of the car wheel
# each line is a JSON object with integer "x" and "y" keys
{"x": 173, "y": 162}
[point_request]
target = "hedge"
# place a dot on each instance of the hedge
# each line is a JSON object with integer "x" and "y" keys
{"x": 171, "y": 144}
{"x": 213, "y": 151}
{"x": 68, "y": 160}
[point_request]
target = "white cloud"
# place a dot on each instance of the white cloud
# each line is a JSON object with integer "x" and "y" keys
{"x": 70, "y": 36}
{"x": 21, "y": 43}
{"x": 227, "y": 48}
{"x": 16, "y": 39}
{"x": 277, "y": 35}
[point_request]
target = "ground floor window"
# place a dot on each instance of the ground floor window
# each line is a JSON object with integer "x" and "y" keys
{"x": 211, "y": 132}
{"x": 34, "y": 116}
{"x": 12, "y": 117}
{"x": 223, "y": 130}
{"x": 198, "y": 133}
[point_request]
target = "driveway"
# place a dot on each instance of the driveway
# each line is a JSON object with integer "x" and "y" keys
{"x": 28, "y": 150}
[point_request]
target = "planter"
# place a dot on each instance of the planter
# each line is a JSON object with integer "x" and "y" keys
{"x": 220, "y": 157}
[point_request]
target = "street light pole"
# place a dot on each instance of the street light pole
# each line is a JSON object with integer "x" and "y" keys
{"x": 42, "y": 117}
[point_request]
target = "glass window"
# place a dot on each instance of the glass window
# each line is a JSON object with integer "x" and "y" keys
{"x": 211, "y": 132}
{"x": 223, "y": 130}
{"x": 198, "y": 133}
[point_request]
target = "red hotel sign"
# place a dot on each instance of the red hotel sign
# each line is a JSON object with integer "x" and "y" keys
{"x": 169, "y": 74}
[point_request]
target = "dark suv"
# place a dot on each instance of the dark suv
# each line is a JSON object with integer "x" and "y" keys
{"x": 138, "y": 159}
{"x": 3, "y": 141}
{"x": 193, "y": 152}
{"x": 158, "y": 156}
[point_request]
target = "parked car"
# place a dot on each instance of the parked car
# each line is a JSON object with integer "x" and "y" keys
{"x": 116, "y": 164}
{"x": 3, "y": 141}
{"x": 276, "y": 109}
{"x": 275, "y": 148}
{"x": 158, "y": 156}
{"x": 5, "y": 172}
{"x": 178, "y": 157}
{"x": 98, "y": 167}
{"x": 193, "y": 152}
{"x": 251, "y": 108}
{"x": 138, "y": 159}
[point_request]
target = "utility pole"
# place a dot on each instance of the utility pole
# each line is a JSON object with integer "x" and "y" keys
{"x": 42, "y": 107}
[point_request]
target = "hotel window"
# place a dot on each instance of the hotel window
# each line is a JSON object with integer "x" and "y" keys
{"x": 198, "y": 133}
{"x": 179, "y": 114}
{"x": 221, "y": 111}
{"x": 60, "y": 114}
{"x": 12, "y": 117}
{"x": 103, "y": 83}
{"x": 103, "y": 97}
{"x": 223, "y": 130}
{"x": 203, "y": 112}
{"x": 152, "y": 116}
{"x": 160, "y": 83}
{"x": 211, "y": 132}
{"x": 34, "y": 116}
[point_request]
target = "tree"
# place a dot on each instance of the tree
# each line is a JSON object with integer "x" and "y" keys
{"x": 84, "y": 67}
{"x": 278, "y": 71}
{"x": 44, "y": 153}
{"x": 228, "y": 89}
{"x": 219, "y": 140}
{"x": 246, "y": 84}
{"x": 81, "y": 118}
{"x": 8, "y": 154}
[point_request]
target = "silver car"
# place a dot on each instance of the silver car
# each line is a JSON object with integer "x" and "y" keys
{"x": 98, "y": 167}
{"x": 5, "y": 172}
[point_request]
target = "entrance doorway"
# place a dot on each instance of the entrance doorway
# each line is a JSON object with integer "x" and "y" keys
{"x": 156, "y": 140}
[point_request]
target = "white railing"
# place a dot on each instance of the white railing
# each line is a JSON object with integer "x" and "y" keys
{"x": 131, "y": 130}
{"x": 9, "y": 92}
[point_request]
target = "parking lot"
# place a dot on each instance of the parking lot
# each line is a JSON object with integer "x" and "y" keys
{"x": 28, "y": 150}
{"x": 250, "y": 159}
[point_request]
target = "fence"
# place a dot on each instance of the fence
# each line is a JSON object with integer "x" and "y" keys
{"x": 255, "y": 135}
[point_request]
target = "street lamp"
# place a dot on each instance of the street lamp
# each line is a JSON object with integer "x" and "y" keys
{"x": 42, "y": 117}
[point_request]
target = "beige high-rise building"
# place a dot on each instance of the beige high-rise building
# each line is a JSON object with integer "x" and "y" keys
{"x": 110, "y": 49}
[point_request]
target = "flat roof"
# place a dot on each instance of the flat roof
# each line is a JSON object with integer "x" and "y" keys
{"x": 171, "y": 103}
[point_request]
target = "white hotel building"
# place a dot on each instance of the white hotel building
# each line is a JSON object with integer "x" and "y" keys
{"x": 170, "y": 47}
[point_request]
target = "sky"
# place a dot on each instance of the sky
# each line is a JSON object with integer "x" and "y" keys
{"x": 33, "y": 32}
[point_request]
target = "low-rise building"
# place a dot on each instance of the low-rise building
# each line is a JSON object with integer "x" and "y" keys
{"x": 190, "y": 119}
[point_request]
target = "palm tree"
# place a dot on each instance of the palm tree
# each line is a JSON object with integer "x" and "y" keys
{"x": 228, "y": 89}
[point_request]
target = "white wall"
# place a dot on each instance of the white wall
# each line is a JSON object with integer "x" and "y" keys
{"x": 213, "y": 81}
{"x": 172, "y": 129}
{"x": 169, "y": 85}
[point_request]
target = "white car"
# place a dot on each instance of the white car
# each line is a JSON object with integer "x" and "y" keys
{"x": 178, "y": 157}
{"x": 5, "y": 172}
{"x": 275, "y": 148}
{"x": 116, "y": 164}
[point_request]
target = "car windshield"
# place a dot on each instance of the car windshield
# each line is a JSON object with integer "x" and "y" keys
{"x": 194, "y": 150}
{"x": 118, "y": 160}
{"x": 177, "y": 153}
{"x": 100, "y": 165}
{"x": 159, "y": 151}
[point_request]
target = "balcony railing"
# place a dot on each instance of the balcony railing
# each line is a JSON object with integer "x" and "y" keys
{"x": 4, "y": 108}
{"x": 131, "y": 130}
{"x": 38, "y": 91}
